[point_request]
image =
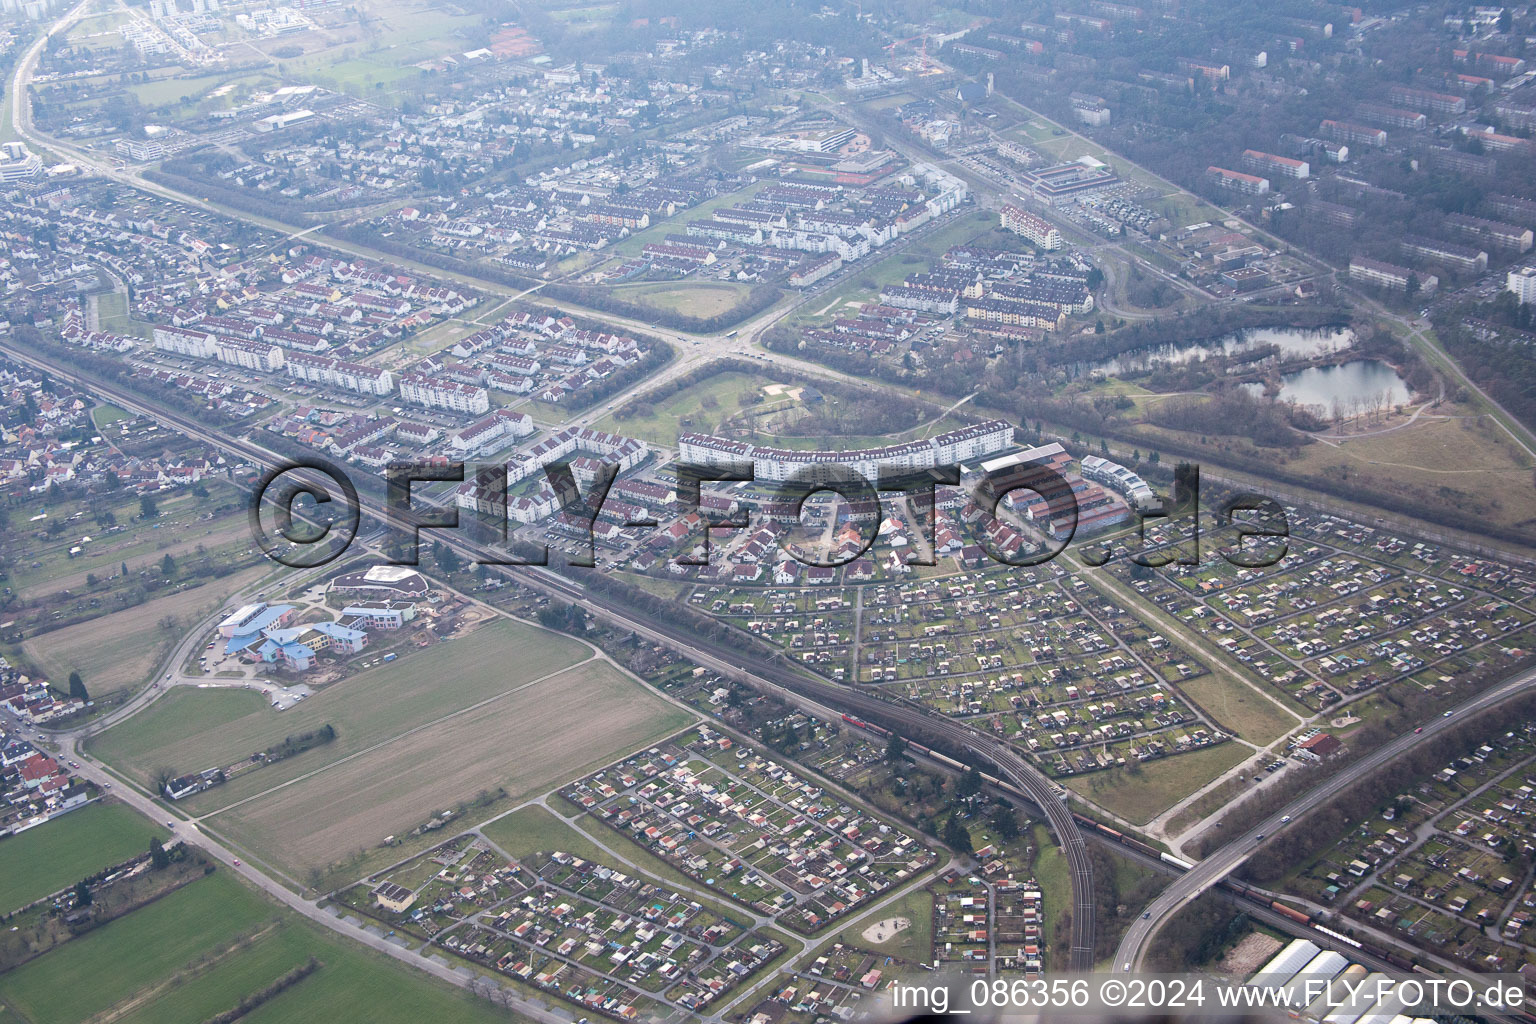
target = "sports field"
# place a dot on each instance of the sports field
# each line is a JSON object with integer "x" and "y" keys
{"x": 58, "y": 853}
{"x": 528, "y": 741}
{"x": 192, "y": 729}
{"x": 200, "y": 950}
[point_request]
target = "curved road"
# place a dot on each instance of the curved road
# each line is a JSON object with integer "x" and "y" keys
{"x": 1211, "y": 870}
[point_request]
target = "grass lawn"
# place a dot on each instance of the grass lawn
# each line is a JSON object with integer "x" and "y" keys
{"x": 866, "y": 282}
{"x": 534, "y": 829}
{"x": 58, "y": 853}
{"x": 1055, "y": 880}
{"x": 523, "y": 743}
{"x": 667, "y": 590}
{"x": 1181, "y": 209}
{"x": 1473, "y": 457}
{"x": 1207, "y": 804}
{"x": 185, "y": 523}
{"x": 690, "y": 409}
{"x": 1239, "y": 708}
{"x": 200, "y": 950}
{"x": 111, "y": 305}
{"x": 659, "y": 230}
{"x": 1142, "y": 795}
{"x": 690, "y": 298}
{"x": 106, "y": 414}
{"x": 598, "y": 13}
{"x": 367, "y": 75}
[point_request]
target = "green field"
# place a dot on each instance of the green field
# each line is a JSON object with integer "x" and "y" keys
{"x": 1055, "y": 879}
{"x": 804, "y": 442}
{"x": 587, "y": 15}
{"x": 1138, "y": 795}
{"x": 866, "y": 283}
{"x": 204, "y": 947}
{"x": 1239, "y": 708}
{"x": 133, "y": 952}
{"x": 400, "y": 35}
{"x": 521, "y": 744}
{"x": 688, "y": 409}
{"x": 365, "y": 76}
{"x": 106, "y": 414}
{"x": 112, "y": 315}
{"x": 123, "y": 649}
{"x": 690, "y": 298}
{"x": 187, "y": 91}
{"x": 658, "y": 231}
{"x": 372, "y": 706}
{"x": 58, "y": 853}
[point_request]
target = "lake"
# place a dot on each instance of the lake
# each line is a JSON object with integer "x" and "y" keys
{"x": 1294, "y": 342}
{"x": 1342, "y": 383}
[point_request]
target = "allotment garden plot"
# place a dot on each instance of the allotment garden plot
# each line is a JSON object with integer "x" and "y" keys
{"x": 597, "y": 935}
{"x": 1349, "y": 609}
{"x": 1443, "y": 862}
{"x": 1035, "y": 656}
{"x": 752, "y": 829}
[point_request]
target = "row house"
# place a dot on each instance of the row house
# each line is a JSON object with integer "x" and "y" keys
{"x": 1430, "y": 102}
{"x": 1017, "y": 313}
{"x": 815, "y": 269}
{"x": 1237, "y": 181}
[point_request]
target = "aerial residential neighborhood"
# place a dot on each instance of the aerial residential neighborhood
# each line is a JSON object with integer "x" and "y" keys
{"x": 765, "y": 513}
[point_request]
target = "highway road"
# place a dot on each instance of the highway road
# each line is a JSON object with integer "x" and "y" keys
{"x": 1208, "y": 872}
{"x": 955, "y": 739}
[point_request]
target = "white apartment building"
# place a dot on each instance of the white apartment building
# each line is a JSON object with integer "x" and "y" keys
{"x": 441, "y": 393}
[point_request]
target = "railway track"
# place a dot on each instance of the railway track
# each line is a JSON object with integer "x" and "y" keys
{"x": 961, "y": 742}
